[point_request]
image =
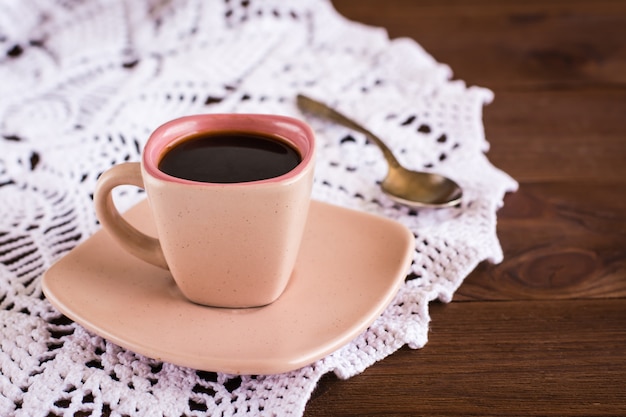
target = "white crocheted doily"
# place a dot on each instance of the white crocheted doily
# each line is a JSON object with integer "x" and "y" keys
{"x": 83, "y": 83}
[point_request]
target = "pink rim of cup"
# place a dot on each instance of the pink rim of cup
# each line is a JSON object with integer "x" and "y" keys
{"x": 179, "y": 130}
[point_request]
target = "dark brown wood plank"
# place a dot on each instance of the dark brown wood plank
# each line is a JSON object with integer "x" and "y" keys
{"x": 539, "y": 358}
{"x": 510, "y": 44}
{"x": 567, "y": 135}
{"x": 560, "y": 240}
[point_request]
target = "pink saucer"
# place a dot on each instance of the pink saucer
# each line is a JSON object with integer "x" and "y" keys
{"x": 350, "y": 266}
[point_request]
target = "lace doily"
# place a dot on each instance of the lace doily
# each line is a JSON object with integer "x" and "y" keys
{"x": 83, "y": 83}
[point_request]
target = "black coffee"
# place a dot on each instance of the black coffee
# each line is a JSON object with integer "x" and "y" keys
{"x": 229, "y": 157}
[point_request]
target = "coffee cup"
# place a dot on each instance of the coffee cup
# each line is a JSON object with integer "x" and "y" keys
{"x": 229, "y": 194}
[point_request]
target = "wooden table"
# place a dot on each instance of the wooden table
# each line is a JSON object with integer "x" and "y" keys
{"x": 544, "y": 332}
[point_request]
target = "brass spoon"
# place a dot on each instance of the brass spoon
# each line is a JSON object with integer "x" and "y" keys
{"x": 412, "y": 188}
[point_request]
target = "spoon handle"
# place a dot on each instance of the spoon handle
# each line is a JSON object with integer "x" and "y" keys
{"x": 309, "y": 105}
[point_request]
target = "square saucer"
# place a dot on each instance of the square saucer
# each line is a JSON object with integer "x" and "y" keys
{"x": 350, "y": 266}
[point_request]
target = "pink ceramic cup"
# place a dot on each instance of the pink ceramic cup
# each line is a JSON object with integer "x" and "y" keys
{"x": 226, "y": 245}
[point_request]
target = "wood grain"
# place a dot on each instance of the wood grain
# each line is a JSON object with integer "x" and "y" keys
{"x": 544, "y": 332}
{"x": 560, "y": 240}
{"x": 566, "y": 135}
{"x": 508, "y": 44}
{"x": 539, "y": 358}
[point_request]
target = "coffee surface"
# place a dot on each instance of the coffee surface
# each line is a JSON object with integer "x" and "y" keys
{"x": 230, "y": 157}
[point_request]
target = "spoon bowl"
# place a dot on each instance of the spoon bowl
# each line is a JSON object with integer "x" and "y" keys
{"x": 411, "y": 188}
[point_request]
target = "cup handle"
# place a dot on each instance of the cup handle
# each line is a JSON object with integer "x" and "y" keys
{"x": 137, "y": 243}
